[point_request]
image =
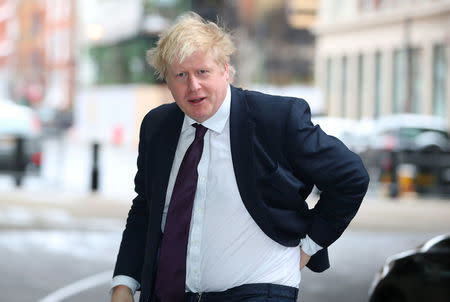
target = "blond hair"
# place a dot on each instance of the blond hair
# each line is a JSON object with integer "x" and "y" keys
{"x": 189, "y": 34}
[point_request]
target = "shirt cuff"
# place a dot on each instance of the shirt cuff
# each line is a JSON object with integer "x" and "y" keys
{"x": 127, "y": 281}
{"x": 309, "y": 246}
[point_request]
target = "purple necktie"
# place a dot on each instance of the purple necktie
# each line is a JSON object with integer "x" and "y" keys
{"x": 171, "y": 273}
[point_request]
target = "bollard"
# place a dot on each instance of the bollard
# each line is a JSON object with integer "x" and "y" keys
{"x": 393, "y": 187}
{"x": 19, "y": 161}
{"x": 95, "y": 170}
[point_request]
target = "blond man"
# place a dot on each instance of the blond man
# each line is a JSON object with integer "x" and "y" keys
{"x": 223, "y": 174}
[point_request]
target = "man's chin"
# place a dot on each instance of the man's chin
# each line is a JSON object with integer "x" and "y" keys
{"x": 199, "y": 118}
{"x": 199, "y": 114}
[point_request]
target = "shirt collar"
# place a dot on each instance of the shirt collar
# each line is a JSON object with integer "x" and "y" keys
{"x": 216, "y": 122}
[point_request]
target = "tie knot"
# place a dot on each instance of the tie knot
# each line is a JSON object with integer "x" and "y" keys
{"x": 200, "y": 131}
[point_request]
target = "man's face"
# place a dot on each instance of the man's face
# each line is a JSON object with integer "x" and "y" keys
{"x": 198, "y": 85}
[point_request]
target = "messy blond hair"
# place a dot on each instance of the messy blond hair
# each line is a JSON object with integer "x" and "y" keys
{"x": 188, "y": 34}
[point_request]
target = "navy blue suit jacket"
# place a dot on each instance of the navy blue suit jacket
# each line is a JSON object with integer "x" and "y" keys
{"x": 278, "y": 155}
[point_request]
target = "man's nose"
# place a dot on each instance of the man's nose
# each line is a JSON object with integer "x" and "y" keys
{"x": 194, "y": 83}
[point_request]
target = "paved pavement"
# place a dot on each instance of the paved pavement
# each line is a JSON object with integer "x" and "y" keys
{"x": 35, "y": 209}
{"x": 57, "y": 210}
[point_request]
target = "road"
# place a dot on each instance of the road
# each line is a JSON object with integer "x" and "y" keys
{"x": 51, "y": 244}
{"x": 39, "y": 263}
{"x": 58, "y": 242}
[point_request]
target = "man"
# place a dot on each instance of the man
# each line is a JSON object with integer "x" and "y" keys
{"x": 223, "y": 174}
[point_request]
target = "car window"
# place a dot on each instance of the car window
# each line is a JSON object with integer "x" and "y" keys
{"x": 413, "y": 132}
{"x": 410, "y": 132}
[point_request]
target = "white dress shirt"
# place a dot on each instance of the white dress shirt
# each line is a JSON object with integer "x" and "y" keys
{"x": 226, "y": 248}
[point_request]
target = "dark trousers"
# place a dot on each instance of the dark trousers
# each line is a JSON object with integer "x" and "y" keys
{"x": 258, "y": 292}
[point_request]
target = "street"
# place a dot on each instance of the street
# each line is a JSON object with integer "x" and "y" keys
{"x": 69, "y": 253}
{"x": 38, "y": 263}
{"x": 58, "y": 241}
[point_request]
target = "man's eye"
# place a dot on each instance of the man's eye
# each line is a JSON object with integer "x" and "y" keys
{"x": 202, "y": 71}
{"x": 180, "y": 74}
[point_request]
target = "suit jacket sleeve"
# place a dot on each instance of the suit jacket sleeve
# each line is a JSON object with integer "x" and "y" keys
{"x": 326, "y": 162}
{"x": 131, "y": 253}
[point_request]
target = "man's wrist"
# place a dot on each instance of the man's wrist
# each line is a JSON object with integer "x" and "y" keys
{"x": 121, "y": 293}
{"x": 123, "y": 288}
{"x": 128, "y": 282}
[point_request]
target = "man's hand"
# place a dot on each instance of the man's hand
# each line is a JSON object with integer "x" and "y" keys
{"x": 304, "y": 259}
{"x": 121, "y": 293}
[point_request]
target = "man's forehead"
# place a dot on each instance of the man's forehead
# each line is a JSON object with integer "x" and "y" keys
{"x": 193, "y": 60}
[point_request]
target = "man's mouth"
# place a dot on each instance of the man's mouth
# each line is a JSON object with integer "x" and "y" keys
{"x": 197, "y": 100}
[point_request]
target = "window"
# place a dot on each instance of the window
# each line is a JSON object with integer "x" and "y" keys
{"x": 378, "y": 84}
{"x": 371, "y": 5}
{"x": 416, "y": 80}
{"x": 58, "y": 46}
{"x": 408, "y": 81}
{"x": 67, "y": 9}
{"x": 399, "y": 84}
{"x": 36, "y": 23}
{"x": 360, "y": 93}
{"x": 328, "y": 78}
{"x": 439, "y": 80}
{"x": 344, "y": 87}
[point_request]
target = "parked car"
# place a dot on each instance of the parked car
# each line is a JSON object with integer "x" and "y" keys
{"x": 421, "y": 274}
{"x": 20, "y": 150}
{"x": 410, "y": 132}
{"x": 419, "y": 142}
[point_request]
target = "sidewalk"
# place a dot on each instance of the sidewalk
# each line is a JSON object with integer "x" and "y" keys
{"x": 403, "y": 214}
{"x": 31, "y": 209}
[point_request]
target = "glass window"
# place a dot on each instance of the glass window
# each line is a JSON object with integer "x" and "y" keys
{"x": 67, "y": 9}
{"x": 378, "y": 84}
{"x": 399, "y": 84}
{"x": 360, "y": 94}
{"x": 344, "y": 87}
{"x": 36, "y": 23}
{"x": 416, "y": 80}
{"x": 328, "y": 77}
{"x": 439, "y": 80}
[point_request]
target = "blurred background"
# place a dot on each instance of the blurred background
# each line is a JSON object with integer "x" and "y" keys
{"x": 74, "y": 87}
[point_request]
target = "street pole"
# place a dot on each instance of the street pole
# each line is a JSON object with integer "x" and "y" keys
{"x": 95, "y": 169}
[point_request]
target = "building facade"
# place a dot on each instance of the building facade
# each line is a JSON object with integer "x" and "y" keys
{"x": 7, "y": 37}
{"x": 28, "y": 61}
{"x": 60, "y": 53}
{"x": 42, "y": 65}
{"x": 382, "y": 57}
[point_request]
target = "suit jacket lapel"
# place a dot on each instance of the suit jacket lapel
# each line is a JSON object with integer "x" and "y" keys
{"x": 241, "y": 134}
{"x": 164, "y": 152}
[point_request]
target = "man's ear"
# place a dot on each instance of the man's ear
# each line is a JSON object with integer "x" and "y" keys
{"x": 227, "y": 71}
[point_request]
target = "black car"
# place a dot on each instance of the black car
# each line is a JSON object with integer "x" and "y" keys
{"x": 422, "y": 274}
